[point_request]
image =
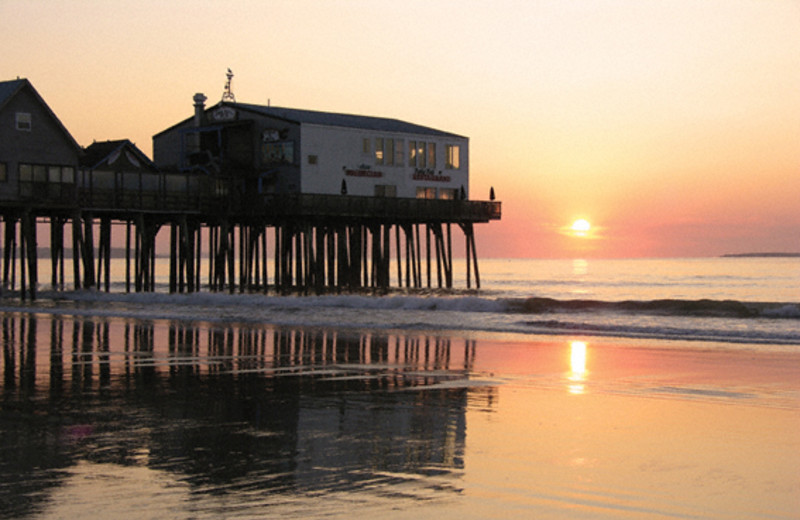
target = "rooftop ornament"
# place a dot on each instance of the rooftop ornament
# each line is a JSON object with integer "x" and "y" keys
{"x": 227, "y": 93}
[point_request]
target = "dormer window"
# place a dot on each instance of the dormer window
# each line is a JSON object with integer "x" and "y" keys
{"x": 23, "y": 120}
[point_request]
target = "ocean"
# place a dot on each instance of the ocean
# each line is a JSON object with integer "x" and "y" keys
{"x": 726, "y": 300}
{"x": 653, "y": 388}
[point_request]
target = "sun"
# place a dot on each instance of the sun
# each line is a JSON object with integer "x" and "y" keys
{"x": 581, "y": 226}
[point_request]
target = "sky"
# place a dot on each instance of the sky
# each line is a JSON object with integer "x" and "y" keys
{"x": 671, "y": 126}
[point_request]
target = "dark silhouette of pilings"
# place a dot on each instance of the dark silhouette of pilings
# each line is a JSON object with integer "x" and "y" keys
{"x": 309, "y": 254}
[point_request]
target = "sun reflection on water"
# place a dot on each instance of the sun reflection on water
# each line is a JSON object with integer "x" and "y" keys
{"x": 577, "y": 363}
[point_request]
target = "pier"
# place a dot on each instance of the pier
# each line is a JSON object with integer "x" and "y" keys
{"x": 257, "y": 196}
{"x": 317, "y": 243}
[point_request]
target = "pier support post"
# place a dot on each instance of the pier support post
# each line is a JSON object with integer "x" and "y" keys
{"x": 28, "y": 254}
{"x": 9, "y": 252}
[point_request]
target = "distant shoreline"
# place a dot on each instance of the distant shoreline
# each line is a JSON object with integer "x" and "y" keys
{"x": 761, "y": 255}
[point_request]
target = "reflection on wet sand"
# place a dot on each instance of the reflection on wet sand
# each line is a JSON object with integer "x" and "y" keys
{"x": 228, "y": 408}
{"x": 577, "y": 364}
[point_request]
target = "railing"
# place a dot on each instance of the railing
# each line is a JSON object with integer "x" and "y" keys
{"x": 348, "y": 206}
{"x": 269, "y": 205}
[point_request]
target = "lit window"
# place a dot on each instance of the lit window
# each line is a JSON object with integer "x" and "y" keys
{"x": 453, "y": 154}
{"x": 420, "y": 154}
{"x": 23, "y": 120}
{"x": 412, "y": 153}
{"x": 379, "y": 150}
{"x": 426, "y": 193}
{"x": 447, "y": 193}
{"x": 431, "y": 155}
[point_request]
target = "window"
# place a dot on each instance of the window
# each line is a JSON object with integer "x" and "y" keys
{"x": 412, "y": 153}
{"x": 23, "y": 120}
{"x": 426, "y": 193}
{"x": 453, "y": 157}
{"x": 399, "y": 153}
{"x": 385, "y": 190}
{"x": 53, "y": 182}
{"x": 25, "y": 173}
{"x": 389, "y": 152}
{"x": 420, "y": 154}
{"x": 280, "y": 152}
{"x": 447, "y": 193}
{"x": 312, "y": 159}
{"x": 379, "y": 150}
{"x": 39, "y": 173}
{"x": 431, "y": 155}
{"x": 366, "y": 147}
{"x": 220, "y": 188}
{"x": 3, "y": 172}
{"x": 53, "y": 174}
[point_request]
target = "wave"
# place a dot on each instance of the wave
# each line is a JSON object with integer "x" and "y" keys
{"x": 727, "y": 321}
{"x": 453, "y": 302}
{"x": 671, "y": 307}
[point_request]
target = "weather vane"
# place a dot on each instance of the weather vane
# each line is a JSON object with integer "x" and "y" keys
{"x": 227, "y": 94}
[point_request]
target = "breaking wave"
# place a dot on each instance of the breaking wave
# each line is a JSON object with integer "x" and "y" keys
{"x": 671, "y": 307}
{"x": 727, "y": 321}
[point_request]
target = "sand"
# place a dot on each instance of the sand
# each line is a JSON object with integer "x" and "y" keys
{"x": 178, "y": 420}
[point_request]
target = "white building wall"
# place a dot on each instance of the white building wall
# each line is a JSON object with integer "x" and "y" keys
{"x": 330, "y": 154}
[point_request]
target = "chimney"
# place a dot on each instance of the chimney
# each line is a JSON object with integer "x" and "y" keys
{"x": 199, "y": 108}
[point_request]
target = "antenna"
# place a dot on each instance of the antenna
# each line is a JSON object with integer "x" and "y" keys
{"x": 227, "y": 94}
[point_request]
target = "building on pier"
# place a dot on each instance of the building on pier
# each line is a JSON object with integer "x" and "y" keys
{"x": 285, "y": 150}
{"x": 38, "y": 156}
{"x": 258, "y": 197}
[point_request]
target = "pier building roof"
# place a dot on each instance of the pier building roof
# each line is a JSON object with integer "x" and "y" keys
{"x": 334, "y": 119}
{"x": 314, "y": 117}
{"x": 10, "y": 89}
{"x": 106, "y": 153}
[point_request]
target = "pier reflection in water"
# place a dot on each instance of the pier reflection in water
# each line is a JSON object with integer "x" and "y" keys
{"x": 224, "y": 416}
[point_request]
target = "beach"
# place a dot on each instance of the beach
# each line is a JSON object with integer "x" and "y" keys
{"x": 178, "y": 418}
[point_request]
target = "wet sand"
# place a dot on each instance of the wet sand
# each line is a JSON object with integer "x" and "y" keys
{"x": 191, "y": 420}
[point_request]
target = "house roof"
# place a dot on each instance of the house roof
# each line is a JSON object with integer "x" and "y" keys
{"x": 99, "y": 152}
{"x": 8, "y": 89}
{"x": 313, "y": 117}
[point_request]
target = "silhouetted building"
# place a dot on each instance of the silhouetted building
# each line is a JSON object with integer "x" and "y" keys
{"x": 282, "y": 150}
{"x": 38, "y": 156}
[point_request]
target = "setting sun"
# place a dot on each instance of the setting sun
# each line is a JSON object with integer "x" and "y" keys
{"x": 581, "y": 226}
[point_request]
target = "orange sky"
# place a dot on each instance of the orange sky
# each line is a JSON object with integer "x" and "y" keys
{"x": 672, "y": 126}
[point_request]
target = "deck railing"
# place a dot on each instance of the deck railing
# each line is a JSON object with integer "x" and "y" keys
{"x": 238, "y": 205}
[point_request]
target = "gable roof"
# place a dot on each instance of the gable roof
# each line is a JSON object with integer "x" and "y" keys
{"x": 313, "y": 117}
{"x": 9, "y": 89}
{"x": 99, "y": 152}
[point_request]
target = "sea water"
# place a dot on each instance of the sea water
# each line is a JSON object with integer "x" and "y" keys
{"x": 582, "y": 389}
{"x": 728, "y": 300}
